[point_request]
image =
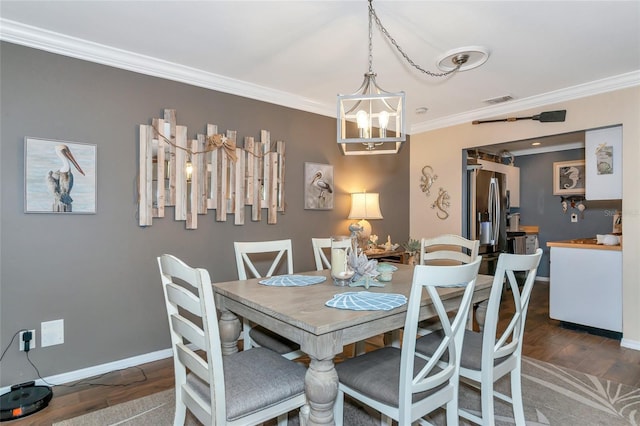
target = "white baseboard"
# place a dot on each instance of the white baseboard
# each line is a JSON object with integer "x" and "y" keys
{"x": 631, "y": 344}
{"x": 96, "y": 370}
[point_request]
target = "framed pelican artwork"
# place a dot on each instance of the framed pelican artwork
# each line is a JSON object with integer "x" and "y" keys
{"x": 59, "y": 176}
{"x": 568, "y": 177}
{"x": 318, "y": 186}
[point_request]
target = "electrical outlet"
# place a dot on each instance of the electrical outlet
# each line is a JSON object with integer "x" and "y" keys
{"x": 32, "y": 342}
{"x": 52, "y": 333}
{"x": 574, "y": 217}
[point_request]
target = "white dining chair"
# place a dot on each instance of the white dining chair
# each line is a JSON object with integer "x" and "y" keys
{"x": 400, "y": 383}
{"x": 319, "y": 255}
{"x": 319, "y": 246}
{"x": 323, "y": 262}
{"x": 248, "y": 388}
{"x": 448, "y": 249}
{"x": 489, "y": 355}
{"x": 252, "y": 256}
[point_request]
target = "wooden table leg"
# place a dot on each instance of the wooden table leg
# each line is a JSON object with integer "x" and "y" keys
{"x": 321, "y": 387}
{"x": 392, "y": 338}
{"x": 230, "y": 328}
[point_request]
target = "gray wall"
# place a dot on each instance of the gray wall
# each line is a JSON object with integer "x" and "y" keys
{"x": 538, "y": 205}
{"x": 98, "y": 272}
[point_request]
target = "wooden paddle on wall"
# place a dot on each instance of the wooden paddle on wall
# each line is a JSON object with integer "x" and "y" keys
{"x": 543, "y": 117}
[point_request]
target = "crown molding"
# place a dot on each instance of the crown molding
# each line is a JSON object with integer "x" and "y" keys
{"x": 38, "y": 38}
{"x": 596, "y": 87}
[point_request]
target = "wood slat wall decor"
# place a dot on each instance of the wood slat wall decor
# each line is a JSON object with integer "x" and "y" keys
{"x": 145, "y": 186}
{"x": 222, "y": 175}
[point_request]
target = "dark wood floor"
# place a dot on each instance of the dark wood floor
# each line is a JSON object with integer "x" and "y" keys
{"x": 544, "y": 340}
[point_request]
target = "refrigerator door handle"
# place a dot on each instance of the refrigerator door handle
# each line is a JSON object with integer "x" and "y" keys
{"x": 494, "y": 209}
{"x": 474, "y": 215}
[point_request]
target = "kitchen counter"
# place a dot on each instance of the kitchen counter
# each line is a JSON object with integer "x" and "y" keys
{"x": 529, "y": 229}
{"x": 585, "y": 285}
{"x": 583, "y": 243}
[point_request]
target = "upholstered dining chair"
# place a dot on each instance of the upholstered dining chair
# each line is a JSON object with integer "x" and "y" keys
{"x": 400, "y": 383}
{"x": 323, "y": 262}
{"x": 248, "y": 388}
{"x": 448, "y": 249}
{"x": 319, "y": 245}
{"x": 491, "y": 354}
{"x": 275, "y": 251}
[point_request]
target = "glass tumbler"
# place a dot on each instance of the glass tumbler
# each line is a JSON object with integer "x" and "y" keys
{"x": 341, "y": 271}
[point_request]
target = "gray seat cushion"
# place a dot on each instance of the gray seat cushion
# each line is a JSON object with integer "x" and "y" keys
{"x": 268, "y": 339}
{"x": 377, "y": 375}
{"x": 471, "y": 348}
{"x": 255, "y": 379}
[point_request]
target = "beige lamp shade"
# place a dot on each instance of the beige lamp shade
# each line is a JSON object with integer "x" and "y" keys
{"x": 365, "y": 205}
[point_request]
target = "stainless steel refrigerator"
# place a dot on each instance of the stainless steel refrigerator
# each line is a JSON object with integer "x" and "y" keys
{"x": 489, "y": 206}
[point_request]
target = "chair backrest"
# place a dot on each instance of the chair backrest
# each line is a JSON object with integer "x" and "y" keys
{"x": 281, "y": 248}
{"x": 433, "y": 278}
{"x": 509, "y": 342}
{"x": 319, "y": 244}
{"x": 448, "y": 249}
{"x": 188, "y": 291}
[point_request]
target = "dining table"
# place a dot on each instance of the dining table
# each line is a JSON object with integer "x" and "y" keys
{"x": 300, "y": 313}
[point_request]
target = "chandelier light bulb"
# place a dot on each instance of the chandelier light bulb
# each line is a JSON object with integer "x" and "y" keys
{"x": 362, "y": 118}
{"x": 383, "y": 120}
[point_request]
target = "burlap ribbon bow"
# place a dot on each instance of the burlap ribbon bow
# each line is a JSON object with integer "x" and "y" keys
{"x": 219, "y": 141}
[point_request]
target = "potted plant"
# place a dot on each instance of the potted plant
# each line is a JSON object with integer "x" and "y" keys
{"x": 412, "y": 247}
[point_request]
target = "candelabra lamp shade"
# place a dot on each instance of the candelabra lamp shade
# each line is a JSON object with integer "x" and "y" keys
{"x": 371, "y": 121}
{"x": 364, "y": 206}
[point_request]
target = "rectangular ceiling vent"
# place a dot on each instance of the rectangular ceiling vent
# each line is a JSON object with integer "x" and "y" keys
{"x": 498, "y": 100}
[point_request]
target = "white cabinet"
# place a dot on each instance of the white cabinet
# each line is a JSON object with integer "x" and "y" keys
{"x": 586, "y": 287}
{"x": 603, "y": 163}
{"x": 513, "y": 179}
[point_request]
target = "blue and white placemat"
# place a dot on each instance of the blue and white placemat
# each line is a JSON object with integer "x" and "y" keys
{"x": 366, "y": 301}
{"x": 292, "y": 280}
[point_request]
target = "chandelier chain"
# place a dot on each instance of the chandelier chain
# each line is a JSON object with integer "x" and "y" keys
{"x": 370, "y": 40}
{"x": 372, "y": 13}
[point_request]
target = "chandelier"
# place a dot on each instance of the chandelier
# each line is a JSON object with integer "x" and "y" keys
{"x": 372, "y": 120}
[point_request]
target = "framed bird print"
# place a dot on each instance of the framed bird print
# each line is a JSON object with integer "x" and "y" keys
{"x": 59, "y": 176}
{"x": 318, "y": 186}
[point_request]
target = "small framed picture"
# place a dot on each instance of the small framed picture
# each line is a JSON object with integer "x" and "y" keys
{"x": 318, "y": 186}
{"x": 59, "y": 176}
{"x": 604, "y": 159}
{"x": 568, "y": 177}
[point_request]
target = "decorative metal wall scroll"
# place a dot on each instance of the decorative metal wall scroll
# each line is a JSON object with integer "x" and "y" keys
{"x": 209, "y": 172}
{"x": 427, "y": 179}
{"x": 442, "y": 203}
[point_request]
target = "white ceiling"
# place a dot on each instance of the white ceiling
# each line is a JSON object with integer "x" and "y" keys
{"x": 301, "y": 54}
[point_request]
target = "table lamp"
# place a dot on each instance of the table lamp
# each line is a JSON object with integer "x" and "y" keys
{"x": 364, "y": 205}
